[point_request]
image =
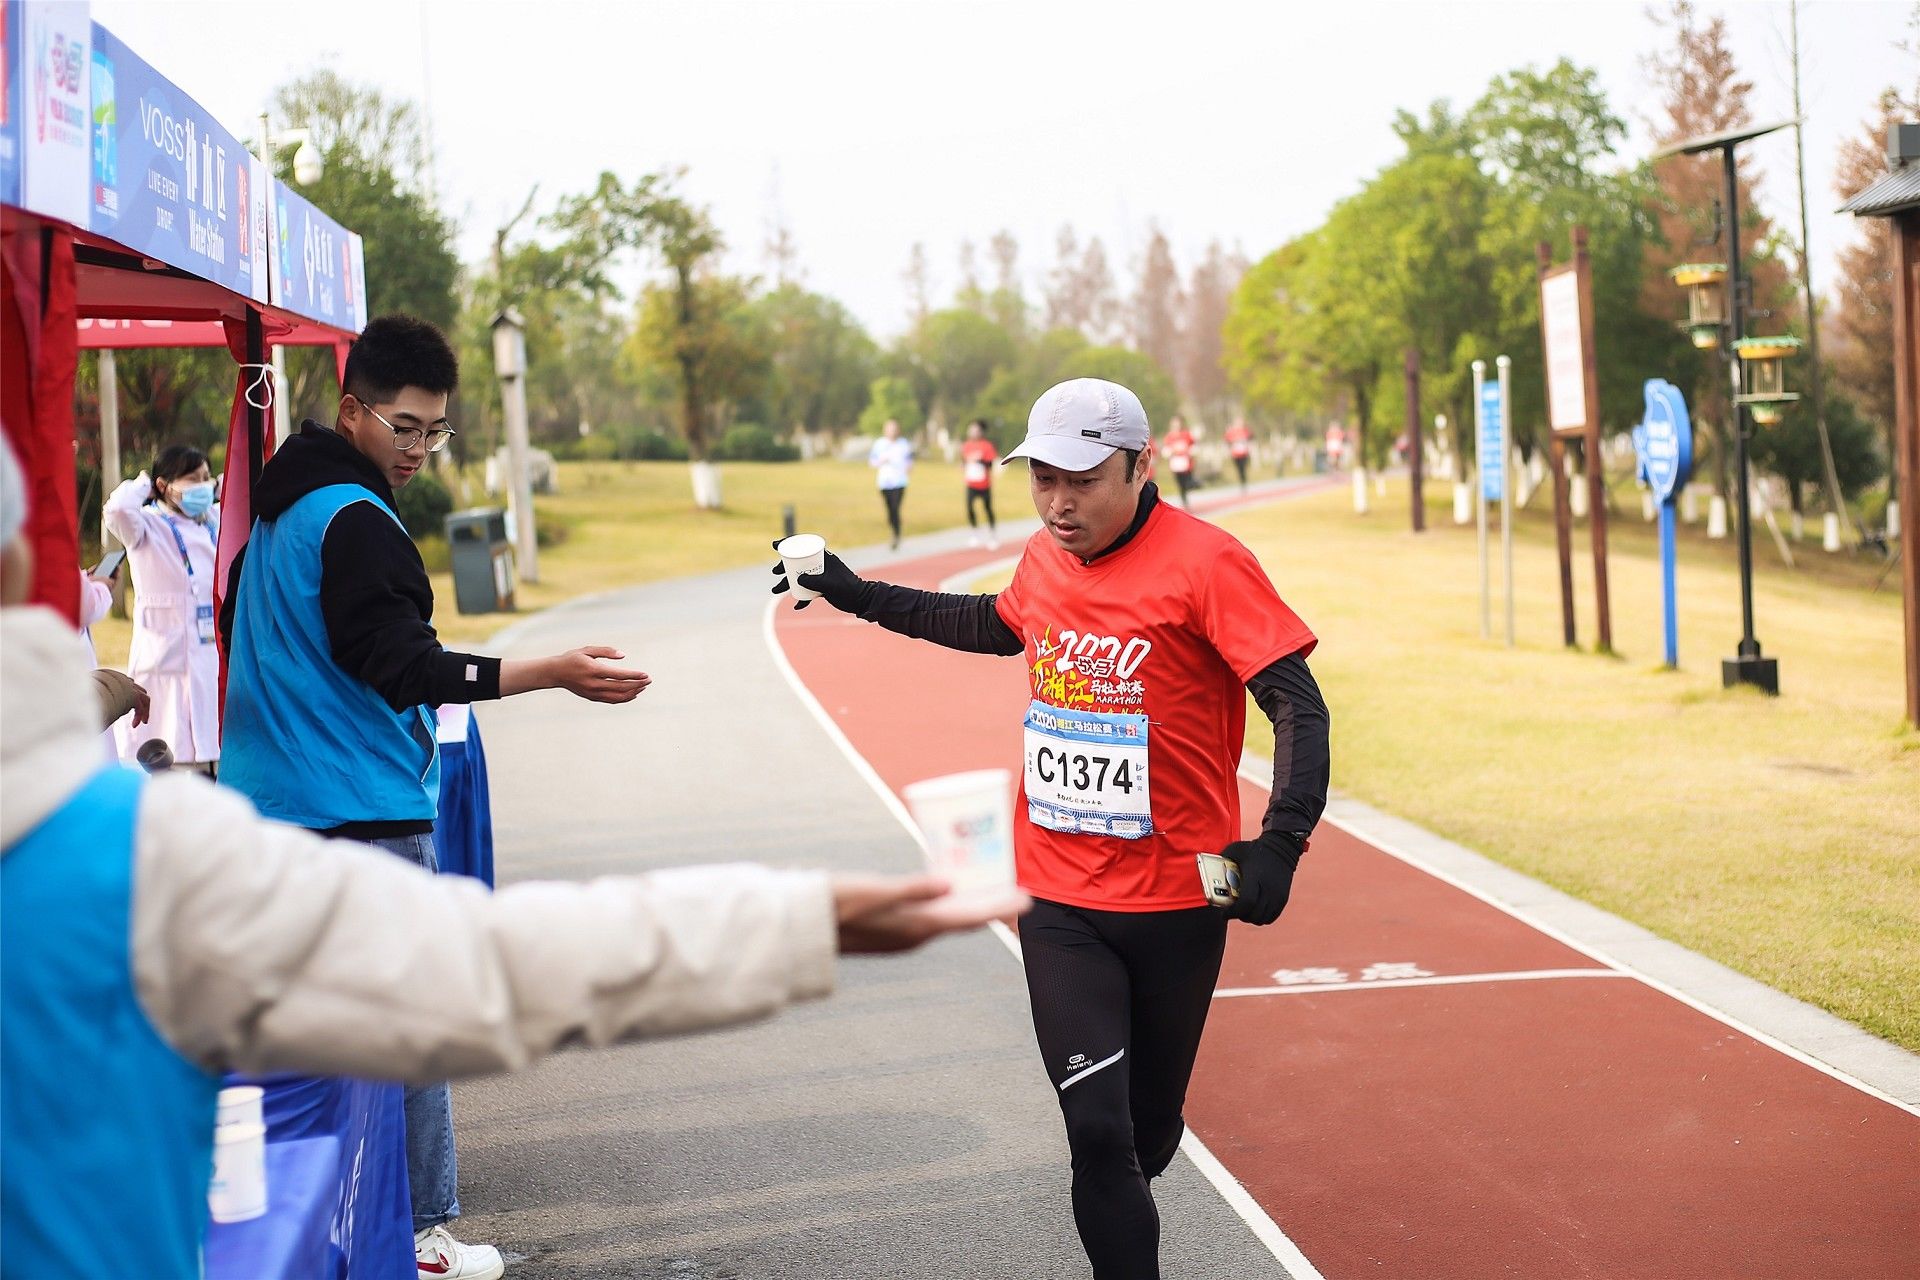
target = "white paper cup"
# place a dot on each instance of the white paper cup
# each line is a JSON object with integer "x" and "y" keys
{"x": 239, "y": 1188}
{"x": 240, "y": 1104}
{"x": 966, "y": 820}
{"x": 802, "y": 553}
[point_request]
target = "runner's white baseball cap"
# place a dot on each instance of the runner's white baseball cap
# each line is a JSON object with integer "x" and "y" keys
{"x": 1076, "y": 425}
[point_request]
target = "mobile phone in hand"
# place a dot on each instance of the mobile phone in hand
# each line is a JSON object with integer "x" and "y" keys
{"x": 1219, "y": 878}
{"x": 109, "y": 565}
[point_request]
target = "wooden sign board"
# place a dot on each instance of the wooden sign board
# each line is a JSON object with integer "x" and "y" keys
{"x": 1563, "y": 336}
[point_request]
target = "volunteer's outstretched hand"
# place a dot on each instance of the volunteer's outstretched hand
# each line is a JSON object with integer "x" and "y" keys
{"x": 897, "y": 913}
{"x": 581, "y": 672}
{"x": 838, "y": 585}
{"x": 1266, "y": 875}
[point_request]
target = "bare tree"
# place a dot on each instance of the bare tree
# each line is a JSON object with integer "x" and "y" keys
{"x": 1203, "y": 379}
{"x": 1008, "y": 304}
{"x": 1153, "y": 321}
{"x": 919, "y": 287}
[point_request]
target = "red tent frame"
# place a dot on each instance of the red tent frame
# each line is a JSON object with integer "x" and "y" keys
{"x": 53, "y": 275}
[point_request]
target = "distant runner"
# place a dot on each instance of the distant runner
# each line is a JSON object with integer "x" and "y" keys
{"x": 1240, "y": 446}
{"x": 1179, "y": 446}
{"x": 977, "y": 457}
{"x": 1142, "y": 629}
{"x": 891, "y": 458}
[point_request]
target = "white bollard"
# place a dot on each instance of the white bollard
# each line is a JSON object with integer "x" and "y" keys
{"x": 1689, "y": 506}
{"x": 1799, "y": 526}
{"x": 1717, "y": 517}
{"x": 1649, "y": 509}
{"x": 1830, "y": 533}
{"x": 1380, "y": 485}
{"x": 1893, "y": 519}
{"x": 1577, "y": 486}
{"x": 1463, "y": 504}
{"x": 1359, "y": 491}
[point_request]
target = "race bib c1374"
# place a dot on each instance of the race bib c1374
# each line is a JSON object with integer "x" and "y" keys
{"x": 1086, "y": 771}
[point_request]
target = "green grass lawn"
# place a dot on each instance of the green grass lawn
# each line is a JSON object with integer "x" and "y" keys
{"x": 1778, "y": 836}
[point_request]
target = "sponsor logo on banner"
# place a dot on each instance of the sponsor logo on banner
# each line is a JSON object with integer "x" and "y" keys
{"x": 55, "y": 159}
{"x": 106, "y": 140}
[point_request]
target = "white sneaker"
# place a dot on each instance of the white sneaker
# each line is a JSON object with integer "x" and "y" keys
{"x": 973, "y": 539}
{"x": 993, "y": 543}
{"x": 438, "y": 1256}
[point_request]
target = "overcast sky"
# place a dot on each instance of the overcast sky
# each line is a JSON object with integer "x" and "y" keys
{"x": 868, "y": 126}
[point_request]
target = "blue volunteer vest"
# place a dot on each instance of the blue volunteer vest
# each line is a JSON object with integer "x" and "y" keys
{"x": 308, "y": 743}
{"x": 107, "y": 1132}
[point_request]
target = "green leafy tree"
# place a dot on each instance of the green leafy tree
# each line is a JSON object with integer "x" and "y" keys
{"x": 959, "y": 352}
{"x": 822, "y": 360}
{"x": 1790, "y": 449}
{"x": 373, "y": 153}
{"x": 891, "y": 398}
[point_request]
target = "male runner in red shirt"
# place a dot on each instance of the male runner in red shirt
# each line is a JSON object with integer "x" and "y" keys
{"x": 977, "y": 456}
{"x": 1141, "y": 627}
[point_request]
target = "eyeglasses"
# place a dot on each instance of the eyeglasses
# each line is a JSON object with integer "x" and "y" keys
{"x": 405, "y": 438}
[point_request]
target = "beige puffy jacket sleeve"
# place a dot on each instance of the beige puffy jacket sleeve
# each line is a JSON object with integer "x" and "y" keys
{"x": 259, "y": 947}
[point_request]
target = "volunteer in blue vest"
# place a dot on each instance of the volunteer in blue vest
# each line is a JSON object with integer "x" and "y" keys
{"x": 334, "y": 668}
{"x": 156, "y": 932}
{"x": 1143, "y": 630}
{"x": 170, "y": 525}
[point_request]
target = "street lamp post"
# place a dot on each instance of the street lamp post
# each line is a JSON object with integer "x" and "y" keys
{"x": 307, "y": 168}
{"x": 510, "y": 364}
{"x": 1748, "y": 666}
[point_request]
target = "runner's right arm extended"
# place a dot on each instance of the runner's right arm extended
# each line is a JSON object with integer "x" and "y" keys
{"x": 969, "y": 623}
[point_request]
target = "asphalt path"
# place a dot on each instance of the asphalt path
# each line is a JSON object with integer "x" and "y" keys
{"x": 902, "y": 1128}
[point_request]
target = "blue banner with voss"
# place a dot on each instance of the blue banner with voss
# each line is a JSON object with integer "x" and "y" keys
{"x": 318, "y": 265}
{"x": 168, "y": 181}
{"x": 1493, "y": 442}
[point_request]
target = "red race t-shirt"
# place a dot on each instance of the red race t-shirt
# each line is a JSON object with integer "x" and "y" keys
{"x": 1137, "y": 666}
{"x": 1239, "y": 441}
{"x": 1179, "y": 449}
{"x": 978, "y": 457}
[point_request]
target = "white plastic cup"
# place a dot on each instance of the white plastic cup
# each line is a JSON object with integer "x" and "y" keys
{"x": 966, "y": 820}
{"x": 239, "y": 1188}
{"x": 240, "y": 1104}
{"x": 802, "y": 553}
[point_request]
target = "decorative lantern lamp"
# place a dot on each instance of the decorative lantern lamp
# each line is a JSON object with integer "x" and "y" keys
{"x": 1765, "y": 363}
{"x": 1706, "y": 286}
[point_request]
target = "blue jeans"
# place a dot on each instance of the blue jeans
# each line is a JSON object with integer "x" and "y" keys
{"x": 433, "y": 1174}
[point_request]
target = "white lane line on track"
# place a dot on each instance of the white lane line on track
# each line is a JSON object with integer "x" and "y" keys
{"x": 1258, "y": 770}
{"x": 1264, "y": 1228}
{"x": 1443, "y": 980}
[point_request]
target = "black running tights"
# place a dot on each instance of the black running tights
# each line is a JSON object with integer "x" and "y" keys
{"x": 985, "y": 498}
{"x": 1119, "y": 1001}
{"x": 892, "y": 498}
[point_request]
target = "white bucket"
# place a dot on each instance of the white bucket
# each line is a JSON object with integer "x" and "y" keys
{"x": 966, "y": 820}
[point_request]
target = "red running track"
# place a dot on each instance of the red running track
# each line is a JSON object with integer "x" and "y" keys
{"x": 1564, "y": 1124}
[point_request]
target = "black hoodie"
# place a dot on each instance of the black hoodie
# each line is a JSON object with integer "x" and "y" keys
{"x": 374, "y": 593}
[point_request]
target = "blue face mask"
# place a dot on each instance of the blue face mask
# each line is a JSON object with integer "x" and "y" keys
{"x": 194, "y": 501}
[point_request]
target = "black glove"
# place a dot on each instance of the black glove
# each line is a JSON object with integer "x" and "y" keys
{"x": 1266, "y": 875}
{"x": 840, "y": 586}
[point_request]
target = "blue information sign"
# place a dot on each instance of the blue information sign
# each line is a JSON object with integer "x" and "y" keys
{"x": 1493, "y": 442}
{"x": 1664, "y": 443}
{"x": 1664, "y": 440}
{"x": 168, "y": 181}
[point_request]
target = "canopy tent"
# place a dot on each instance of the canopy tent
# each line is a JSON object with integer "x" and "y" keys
{"x": 121, "y": 199}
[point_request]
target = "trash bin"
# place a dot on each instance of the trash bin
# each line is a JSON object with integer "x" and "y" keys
{"x": 482, "y": 560}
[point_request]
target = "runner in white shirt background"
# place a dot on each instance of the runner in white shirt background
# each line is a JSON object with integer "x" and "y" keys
{"x": 892, "y": 457}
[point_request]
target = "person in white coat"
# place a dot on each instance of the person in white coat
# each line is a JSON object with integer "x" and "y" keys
{"x": 170, "y": 525}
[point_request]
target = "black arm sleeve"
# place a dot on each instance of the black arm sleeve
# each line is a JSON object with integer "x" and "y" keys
{"x": 969, "y": 623}
{"x": 377, "y": 603}
{"x": 1302, "y": 763}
